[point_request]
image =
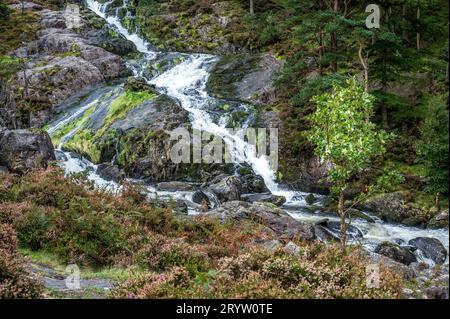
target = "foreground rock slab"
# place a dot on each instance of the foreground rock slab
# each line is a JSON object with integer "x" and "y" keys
{"x": 24, "y": 150}
{"x": 265, "y": 214}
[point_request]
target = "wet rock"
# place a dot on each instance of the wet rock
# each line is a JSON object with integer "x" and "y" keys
{"x": 439, "y": 221}
{"x": 139, "y": 85}
{"x": 431, "y": 248}
{"x": 199, "y": 197}
{"x": 354, "y": 213}
{"x": 310, "y": 199}
{"x": 252, "y": 183}
{"x": 324, "y": 234}
{"x": 244, "y": 77}
{"x": 229, "y": 189}
{"x": 174, "y": 187}
{"x": 24, "y": 150}
{"x": 110, "y": 172}
{"x": 266, "y": 198}
{"x": 396, "y": 252}
{"x": 265, "y": 214}
{"x": 353, "y": 232}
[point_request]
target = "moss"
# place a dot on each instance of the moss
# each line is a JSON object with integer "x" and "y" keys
{"x": 18, "y": 28}
{"x": 97, "y": 145}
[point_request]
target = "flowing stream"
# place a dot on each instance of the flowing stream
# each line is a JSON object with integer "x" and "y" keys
{"x": 186, "y": 82}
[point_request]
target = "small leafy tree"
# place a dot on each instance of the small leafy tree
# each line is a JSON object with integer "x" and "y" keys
{"x": 433, "y": 148}
{"x": 343, "y": 136}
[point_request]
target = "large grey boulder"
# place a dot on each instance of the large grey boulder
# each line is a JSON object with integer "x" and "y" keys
{"x": 431, "y": 248}
{"x": 265, "y": 214}
{"x": 400, "y": 254}
{"x": 228, "y": 189}
{"x": 24, "y": 150}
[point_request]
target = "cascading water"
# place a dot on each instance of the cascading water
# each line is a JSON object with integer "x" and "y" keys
{"x": 186, "y": 82}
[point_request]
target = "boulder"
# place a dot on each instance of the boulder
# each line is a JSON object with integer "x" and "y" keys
{"x": 310, "y": 199}
{"x": 174, "y": 187}
{"x": 228, "y": 189}
{"x": 24, "y": 150}
{"x": 407, "y": 272}
{"x": 440, "y": 220}
{"x": 333, "y": 230}
{"x": 252, "y": 183}
{"x": 292, "y": 249}
{"x": 266, "y": 198}
{"x": 395, "y": 252}
{"x": 110, "y": 172}
{"x": 431, "y": 248}
{"x": 395, "y": 208}
{"x": 265, "y": 214}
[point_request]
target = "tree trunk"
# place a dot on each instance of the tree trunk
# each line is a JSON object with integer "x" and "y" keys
{"x": 418, "y": 33}
{"x": 252, "y": 7}
{"x": 334, "y": 39}
{"x": 341, "y": 209}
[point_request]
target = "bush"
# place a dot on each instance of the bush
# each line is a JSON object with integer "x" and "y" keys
{"x": 15, "y": 280}
{"x": 433, "y": 148}
{"x": 4, "y": 11}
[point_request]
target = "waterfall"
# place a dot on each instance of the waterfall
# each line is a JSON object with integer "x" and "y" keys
{"x": 186, "y": 82}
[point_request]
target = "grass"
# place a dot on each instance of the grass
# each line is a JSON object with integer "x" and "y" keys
{"x": 53, "y": 261}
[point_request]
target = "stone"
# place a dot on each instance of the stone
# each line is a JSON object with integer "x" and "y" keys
{"x": 25, "y": 150}
{"x": 110, "y": 172}
{"x": 310, "y": 199}
{"x": 400, "y": 254}
{"x": 283, "y": 225}
{"x": 265, "y": 197}
{"x": 431, "y": 248}
{"x": 292, "y": 249}
{"x": 228, "y": 189}
{"x": 440, "y": 220}
{"x": 174, "y": 187}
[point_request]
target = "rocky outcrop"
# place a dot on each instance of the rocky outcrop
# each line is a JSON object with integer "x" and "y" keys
{"x": 62, "y": 63}
{"x": 245, "y": 77}
{"x": 228, "y": 189}
{"x": 395, "y": 208}
{"x": 431, "y": 248}
{"x": 395, "y": 252}
{"x": 439, "y": 221}
{"x": 265, "y": 214}
{"x": 24, "y": 150}
{"x": 265, "y": 198}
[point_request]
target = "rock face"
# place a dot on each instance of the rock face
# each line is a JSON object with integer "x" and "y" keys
{"x": 62, "y": 64}
{"x": 23, "y": 150}
{"x": 228, "y": 189}
{"x": 246, "y": 78}
{"x": 431, "y": 248}
{"x": 265, "y": 214}
{"x": 400, "y": 254}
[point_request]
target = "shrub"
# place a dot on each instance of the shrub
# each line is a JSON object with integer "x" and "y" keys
{"x": 15, "y": 280}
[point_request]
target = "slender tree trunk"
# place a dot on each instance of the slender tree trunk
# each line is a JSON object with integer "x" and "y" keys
{"x": 418, "y": 33}
{"x": 341, "y": 209}
{"x": 334, "y": 40}
{"x": 404, "y": 34}
{"x": 252, "y": 7}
